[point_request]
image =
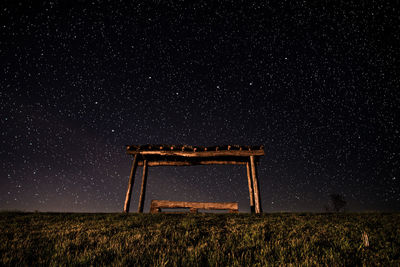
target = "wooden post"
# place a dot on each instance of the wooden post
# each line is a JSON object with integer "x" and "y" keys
{"x": 257, "y": 198}
{"x": 130, "y": 184}
{"x": 143, "y": 188}
{"x": 250, "y": 187}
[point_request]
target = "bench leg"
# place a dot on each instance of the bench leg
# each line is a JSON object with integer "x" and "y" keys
{"x": 155, "y": 210}
{"x": 193, "y": 210}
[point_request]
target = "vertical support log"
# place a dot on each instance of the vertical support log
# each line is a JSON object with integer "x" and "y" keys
{"x": 143, "y": 187}
{"x": 250, "y": 187}
{"x": 257, "y": 198}
{"x": 130, "y": 184}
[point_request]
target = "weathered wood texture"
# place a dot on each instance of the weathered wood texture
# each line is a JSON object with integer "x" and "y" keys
{"x": 192, "y": 163}
{"x": 251, "y": 191}
{"x": 157, "y": 205}
{"x": 257, "y": 199}
{"x": 201, "y": 154}
{"x": 164, "y": 147}
{"x": 143, "y": 187}
{"x": 196, "y": 151}
{"x": 130, "y": 184}
{"x": 183, "y": 155}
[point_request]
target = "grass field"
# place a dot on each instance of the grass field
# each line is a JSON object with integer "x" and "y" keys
{"x": 199, "y": 239}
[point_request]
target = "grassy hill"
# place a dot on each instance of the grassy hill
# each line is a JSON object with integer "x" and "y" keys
{"x": 199, "y": 239}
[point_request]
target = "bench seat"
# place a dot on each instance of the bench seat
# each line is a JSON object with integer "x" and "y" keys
{"x": 157, "y": 205}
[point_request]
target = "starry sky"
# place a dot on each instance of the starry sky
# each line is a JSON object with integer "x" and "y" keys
{"x": 316, "y": 84}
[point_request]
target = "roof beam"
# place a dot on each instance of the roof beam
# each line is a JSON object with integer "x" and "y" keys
{"x": 238, "y": 153}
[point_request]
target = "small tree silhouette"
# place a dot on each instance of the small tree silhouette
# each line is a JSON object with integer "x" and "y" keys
{"x": 338, "y": 202}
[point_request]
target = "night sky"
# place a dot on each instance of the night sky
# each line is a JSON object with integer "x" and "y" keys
{"x": 317, "y": 85}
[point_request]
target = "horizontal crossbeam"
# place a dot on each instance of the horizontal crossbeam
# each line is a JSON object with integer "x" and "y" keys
{"x": 191, "y": 163}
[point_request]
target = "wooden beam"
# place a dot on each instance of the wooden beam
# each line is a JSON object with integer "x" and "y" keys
{"x": 251, "y": 192}
{"x": 192, "y": 163}
{"x": 130, "y": 184}
{"x": 257, "y": 199}
{"x": 143, "y": 188}
{"x": 157, "y": 204}
{"x": 240, "y": 153}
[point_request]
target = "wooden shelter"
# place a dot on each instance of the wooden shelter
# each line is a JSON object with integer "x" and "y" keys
{"x": 184, "y": 155}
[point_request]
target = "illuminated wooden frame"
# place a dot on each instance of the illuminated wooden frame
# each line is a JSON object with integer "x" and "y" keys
{"x": 183, "y": 155}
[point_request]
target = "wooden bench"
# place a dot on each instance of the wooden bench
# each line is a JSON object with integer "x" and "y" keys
{"x": 157, "y": 205}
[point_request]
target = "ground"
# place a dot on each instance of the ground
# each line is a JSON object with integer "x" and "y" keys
{"x": 199, "y": 239}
